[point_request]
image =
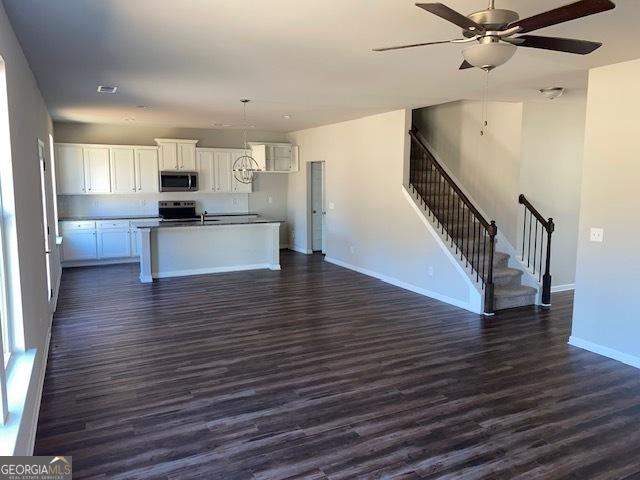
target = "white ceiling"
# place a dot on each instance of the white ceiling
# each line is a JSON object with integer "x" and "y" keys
{"x": 190, "y": 61}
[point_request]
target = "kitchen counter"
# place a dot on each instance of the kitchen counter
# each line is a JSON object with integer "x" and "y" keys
{"x": 107, "y": 217}
{"x": 221, "y": 244}
{"x": 142, "y": 217}
{"x": 209, "y": 222}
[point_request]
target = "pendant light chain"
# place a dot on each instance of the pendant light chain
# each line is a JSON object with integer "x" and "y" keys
{"x": 245, "y": 166}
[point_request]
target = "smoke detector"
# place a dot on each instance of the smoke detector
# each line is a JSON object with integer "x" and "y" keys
{"x": 551, "y": 92}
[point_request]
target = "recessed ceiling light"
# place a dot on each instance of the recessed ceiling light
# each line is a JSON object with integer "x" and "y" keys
{"x": 106, "y": 89}
{"x": 141, "y": 106}
{"x": 129, "y": 119}
{"x": 216, "y": 124}
{"x": 286, "y": 116}
{"x": 227, "y": 125}
{"x": 252, "y": 126}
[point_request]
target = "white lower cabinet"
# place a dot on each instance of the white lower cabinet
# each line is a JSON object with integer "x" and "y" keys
{"x": 114, "y": 239}
{"x": 135, "y": 252}
{"x": 79, "y": 241}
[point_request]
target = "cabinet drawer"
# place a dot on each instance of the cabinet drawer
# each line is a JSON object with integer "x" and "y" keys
{"x": 70, "y": 226}
{"x": 113, "y": 225}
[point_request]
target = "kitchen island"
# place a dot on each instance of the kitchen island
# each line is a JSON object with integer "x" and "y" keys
{"x": 219, "y": 244}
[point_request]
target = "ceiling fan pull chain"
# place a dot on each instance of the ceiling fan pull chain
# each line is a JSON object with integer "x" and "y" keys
{"x": 485, "y": 106}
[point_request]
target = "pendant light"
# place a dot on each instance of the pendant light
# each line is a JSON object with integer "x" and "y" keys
{"x": 245, "y": 167}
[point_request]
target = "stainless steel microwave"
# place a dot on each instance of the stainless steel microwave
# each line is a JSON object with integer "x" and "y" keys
{"x": 178, "y": 181}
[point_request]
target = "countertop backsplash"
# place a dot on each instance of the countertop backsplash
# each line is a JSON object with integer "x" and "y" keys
{"x": 114, "y": 205}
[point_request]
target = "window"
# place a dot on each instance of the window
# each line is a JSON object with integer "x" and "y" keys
{"x": 5, "y": 323}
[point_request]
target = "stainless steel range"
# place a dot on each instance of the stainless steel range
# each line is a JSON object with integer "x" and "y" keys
{"x": 177, "y": 211}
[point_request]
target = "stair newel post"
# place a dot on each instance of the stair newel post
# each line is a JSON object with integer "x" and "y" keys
{"x": 488, "y": 288}
{"x": 546, "y": 279}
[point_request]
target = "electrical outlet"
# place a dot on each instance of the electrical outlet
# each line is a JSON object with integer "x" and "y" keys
{"x": 430, "y": 271}
{"x": 331, "y": 206}
{"x": 270, "y": 200}
{"x": 235, "y": 201}
{"x": 352, "y": 249}
{"x": 596, "y": 235}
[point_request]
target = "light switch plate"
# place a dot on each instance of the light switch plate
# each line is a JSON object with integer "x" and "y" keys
{"x": 596, "y": 235}
{"x": 331, "y": 206}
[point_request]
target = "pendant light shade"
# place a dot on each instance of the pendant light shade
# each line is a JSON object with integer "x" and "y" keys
{"x": 488, "y": 56}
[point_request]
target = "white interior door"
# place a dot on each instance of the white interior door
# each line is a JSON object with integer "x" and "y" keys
{"x": 317, "y": 206}
{"x": 45, "y": 189}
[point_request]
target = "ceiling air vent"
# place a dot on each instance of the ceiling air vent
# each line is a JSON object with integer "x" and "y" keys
{"x": 106, "y": 89}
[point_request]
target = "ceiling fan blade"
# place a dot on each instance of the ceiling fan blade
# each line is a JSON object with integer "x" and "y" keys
{"x": 465, "y": 65}
{"x": 568, "y": 45}
{"x": 400, "y": 47}
{"x": 452, "y": 16}
{"x": 580, "y": 9}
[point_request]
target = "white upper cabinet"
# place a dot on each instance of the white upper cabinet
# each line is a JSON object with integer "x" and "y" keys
{"x": 123, "y": 170}
{"x": 70, "y": 169}
{"x": 205, "y": 170}
{"x": 146, "y": 169}
{"x": 177, "y": 154}
{"x": 275, "y": 157}
{"x": 222, "y": 170}
{"x": 96, "y": 169}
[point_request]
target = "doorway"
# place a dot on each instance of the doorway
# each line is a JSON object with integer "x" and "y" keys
{"x": 318, "y": 211}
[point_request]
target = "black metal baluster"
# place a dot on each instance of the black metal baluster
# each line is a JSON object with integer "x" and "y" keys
{"x": 529, "y": 251}
{"x": 541, "y": 251}
{"x": 535, "y": 248}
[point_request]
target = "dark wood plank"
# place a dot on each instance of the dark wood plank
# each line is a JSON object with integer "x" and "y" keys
{"x": 318, "y": 372}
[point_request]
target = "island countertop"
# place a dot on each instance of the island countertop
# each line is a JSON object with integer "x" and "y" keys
{"x": 209, "y": 222}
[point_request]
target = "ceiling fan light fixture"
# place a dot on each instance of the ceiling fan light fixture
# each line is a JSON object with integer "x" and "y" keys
{"x": 488, "y": 56}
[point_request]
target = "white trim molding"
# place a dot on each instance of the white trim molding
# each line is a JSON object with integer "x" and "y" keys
{"x": 404, "y": 285}
{"x": 300, "y": 250}
{"x": 563, "y": 288}
{"x": 605, "y": 351}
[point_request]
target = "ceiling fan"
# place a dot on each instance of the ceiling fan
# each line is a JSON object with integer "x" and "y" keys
{"x": 493, "y": 31}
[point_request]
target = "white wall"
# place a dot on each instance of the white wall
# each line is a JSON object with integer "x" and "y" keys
{"x": 533, "y": 148}
{"x": 372, "y": 225}
{"x": 28, "y": 121}
{"x": 607, "y": 310}
{"x": 551, "y": 173}
{"x": 267, "y": 185}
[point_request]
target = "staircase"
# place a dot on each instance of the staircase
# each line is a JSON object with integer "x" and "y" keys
{"x": 473, "y": 238}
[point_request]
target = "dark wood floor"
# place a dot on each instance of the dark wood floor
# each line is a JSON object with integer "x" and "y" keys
{"x": 318, "y": 372}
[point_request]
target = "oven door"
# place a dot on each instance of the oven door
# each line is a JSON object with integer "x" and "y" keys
{"x": 178, "y": 181}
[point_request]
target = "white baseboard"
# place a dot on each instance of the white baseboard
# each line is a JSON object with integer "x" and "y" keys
{"x": 605, "y": 351}
{"x": 406, "y": 286}
{"x": 563, "y": 288}
{"x": 94, "y": 263}
{"x": 206, "y": 271}
{"x": 40, "y": 380}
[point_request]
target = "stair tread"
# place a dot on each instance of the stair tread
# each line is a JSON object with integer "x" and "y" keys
{"x": 514, "y": 291}
{"x": 506, "y": 271}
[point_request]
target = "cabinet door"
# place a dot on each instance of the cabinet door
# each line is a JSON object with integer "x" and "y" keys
{"x": 123, "y": 179}
{"x": 146, "y": 170}
{"x": 70, "y": 169}
{"x": 206, "y": 175}
{"x": 79, "y": 245}
{"x": 97, "y": 171}
{"x": 222, "y": 170}
{"x": 114, "y": 243}
{"x": 236, "y": 186}
{"x": 187, "y": 156}
{"x": 168, "y": 156}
